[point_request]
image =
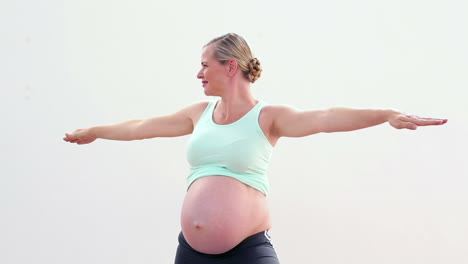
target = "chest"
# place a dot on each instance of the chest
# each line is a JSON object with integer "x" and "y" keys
{"x": 223, "y": 118}
{"x": 225, "y": 142}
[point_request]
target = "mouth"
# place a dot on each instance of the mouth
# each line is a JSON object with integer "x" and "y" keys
{"x": 204, "y": 82}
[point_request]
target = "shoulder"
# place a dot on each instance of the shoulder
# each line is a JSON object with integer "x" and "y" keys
{"x": 195, "y": 107}
{"x": 191, "y": 111}
{"x": 201, "y": 105}
{"x": 195, "y": 110}
{"x": 277, "y": 108}
{"x": 272, "y": 112}
{"x": 270, "y": 116}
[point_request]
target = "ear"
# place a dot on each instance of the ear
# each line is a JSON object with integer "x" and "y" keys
{"x": 232, "y": 67}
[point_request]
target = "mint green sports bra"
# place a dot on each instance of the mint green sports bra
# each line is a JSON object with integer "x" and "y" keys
{"x": 239, "y": 150}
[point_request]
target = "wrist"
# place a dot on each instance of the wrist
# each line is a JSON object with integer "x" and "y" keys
{"x": 92, "y": 131}
{"x": 389, "y": 114}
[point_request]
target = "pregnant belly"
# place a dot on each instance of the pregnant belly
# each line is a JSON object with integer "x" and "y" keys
{"x": 219, "y": 212}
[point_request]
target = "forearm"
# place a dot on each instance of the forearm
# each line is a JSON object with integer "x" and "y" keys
{"x": 340, "y": 119}
{"x": 122, "y": 131}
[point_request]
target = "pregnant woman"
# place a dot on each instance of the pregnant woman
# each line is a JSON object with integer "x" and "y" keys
{"x": 225, "y": 216}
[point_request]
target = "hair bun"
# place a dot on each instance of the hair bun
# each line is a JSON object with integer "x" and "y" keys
{"x": 255, "y": 70}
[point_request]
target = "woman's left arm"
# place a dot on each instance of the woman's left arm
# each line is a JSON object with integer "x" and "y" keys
{"x": 289, "y": 122}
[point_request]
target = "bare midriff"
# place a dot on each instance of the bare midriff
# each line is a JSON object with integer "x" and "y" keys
{"x": 219, "y": 212}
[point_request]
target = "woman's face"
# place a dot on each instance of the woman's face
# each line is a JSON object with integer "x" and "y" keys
{"x": 212, "y": 73}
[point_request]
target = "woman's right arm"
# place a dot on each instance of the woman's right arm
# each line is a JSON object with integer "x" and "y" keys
{"x": 174, "y": 125}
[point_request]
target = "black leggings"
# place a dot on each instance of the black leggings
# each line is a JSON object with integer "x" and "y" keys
{"x": 256, "y": 249}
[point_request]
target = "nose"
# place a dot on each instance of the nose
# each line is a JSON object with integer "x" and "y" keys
{"x": 200, "y": 74}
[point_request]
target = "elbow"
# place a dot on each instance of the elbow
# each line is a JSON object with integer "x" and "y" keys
{"x": 137, "y": 131}
{"x": 322, "y": 120}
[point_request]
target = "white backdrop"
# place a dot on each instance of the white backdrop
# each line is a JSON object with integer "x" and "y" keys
{"x": 378, "y": 195}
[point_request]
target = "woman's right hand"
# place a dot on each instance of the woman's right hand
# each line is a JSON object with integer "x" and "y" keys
{"x": 80, "y": 136}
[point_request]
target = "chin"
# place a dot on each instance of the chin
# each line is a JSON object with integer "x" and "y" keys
{"x": 209, "y": 93}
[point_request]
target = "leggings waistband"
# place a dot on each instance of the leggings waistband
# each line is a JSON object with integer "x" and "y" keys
{"x": 251, "y": 241}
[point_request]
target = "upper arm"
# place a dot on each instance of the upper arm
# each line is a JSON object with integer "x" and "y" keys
{"x": 289, "y": 122}
{"x": 177, "y": 124}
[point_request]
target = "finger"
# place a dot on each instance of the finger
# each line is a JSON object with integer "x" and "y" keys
{"x": 400, "y": 124}
{"x": 68, "y": 139}
{"x": 409, "y": 125}
{"x": 429, "y": 121}
{"x": 422, "y": 121}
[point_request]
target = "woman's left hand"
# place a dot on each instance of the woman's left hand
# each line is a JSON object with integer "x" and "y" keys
{"x": 412, "y": 122}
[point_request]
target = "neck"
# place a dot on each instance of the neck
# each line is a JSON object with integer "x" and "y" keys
{"x": 236, "y": 98}
{"x": 237, "y": 94}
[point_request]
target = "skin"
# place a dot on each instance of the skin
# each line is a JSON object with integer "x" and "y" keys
{"x": 211, "y": 222}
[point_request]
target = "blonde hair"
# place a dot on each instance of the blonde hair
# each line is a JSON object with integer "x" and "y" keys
{"x": 233, "y": 46}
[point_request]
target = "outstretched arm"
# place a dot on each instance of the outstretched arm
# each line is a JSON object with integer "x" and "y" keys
{"x": 289, "y": 122}
{"x": 177, "y": 124}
